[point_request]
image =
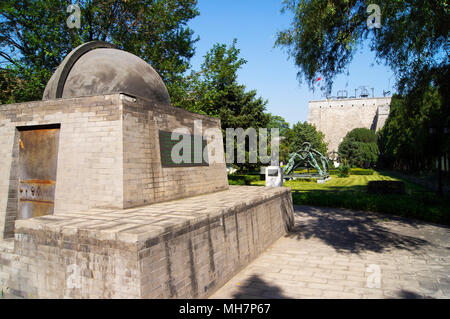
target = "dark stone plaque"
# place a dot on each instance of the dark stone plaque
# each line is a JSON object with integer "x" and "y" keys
{"x": 166, "y": 145}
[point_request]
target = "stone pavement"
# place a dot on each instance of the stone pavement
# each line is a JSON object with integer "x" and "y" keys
{"x": 335, "y": 253}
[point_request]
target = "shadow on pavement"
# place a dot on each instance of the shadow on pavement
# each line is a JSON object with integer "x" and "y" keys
{"x": 255, "y": 287}
{"x": 406, "y": 294}
{"x": 350, "y": 231}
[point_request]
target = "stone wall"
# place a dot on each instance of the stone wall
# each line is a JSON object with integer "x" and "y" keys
{"x": 335, "y": 118}
{"x": 145, "y": 179}
{"x": 89, "y": 157}
{"x": 186, "y": 248}
{"x": 108, "y": 154}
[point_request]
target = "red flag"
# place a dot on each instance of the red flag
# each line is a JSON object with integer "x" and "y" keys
{"x": 320, "y": 78}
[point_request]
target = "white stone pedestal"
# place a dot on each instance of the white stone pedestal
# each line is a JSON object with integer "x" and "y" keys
{"x": 274, "y": 176}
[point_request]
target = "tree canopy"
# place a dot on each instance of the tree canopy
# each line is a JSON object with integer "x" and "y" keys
{"x": 215, "y": 91}
{"x": 305, "y": 132}
{"x": 280, "y": 123}
{"x": 412, "y": 40}
{"x": 359, "y": 147}
{"x": 410, "y": 140}
{"x": 34, "y": 38}
{"x": 286, "y": 135}
{"x": 325, "y": 35}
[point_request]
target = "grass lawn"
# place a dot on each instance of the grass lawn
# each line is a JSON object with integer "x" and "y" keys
{"x": 351, "y": 183}
{"x": 351, "y": 192}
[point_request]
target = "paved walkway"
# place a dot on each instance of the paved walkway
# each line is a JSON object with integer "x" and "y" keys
{"x": 336, "y": 253}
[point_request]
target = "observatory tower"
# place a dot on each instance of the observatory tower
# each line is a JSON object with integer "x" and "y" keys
{"x": 336, "y": 116}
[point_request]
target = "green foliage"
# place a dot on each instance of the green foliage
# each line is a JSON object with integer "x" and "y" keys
{"x": 423, "y": 206}
{"x": 354, "y": 171}
{"x": 34, "y": 38}
{"x": 335, "y": 171}
{"x": 22, "y": 84}
{"x": 405, "y": 141}
{"x": 359, "y": 147}
{"x": 386, "y": 187}
{"x": 305, "y": 132}
{"x": 363, "y": 135}
{"x": 325, "y": 35}
{"x": 351, "y": 192}
{"x": 361, "y": 171}
{"x": 279, "y": 122}
{"x": 412, "y": 40}
{"x": 242, "y": 179}
{"x": 343, "y": 170}
{"x": 214, "y": 91}
{"x": 286, "y": 134}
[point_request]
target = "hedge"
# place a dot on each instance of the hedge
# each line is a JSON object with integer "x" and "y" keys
{"x": 335, "y": 171}
{"x": 242, "y": 179}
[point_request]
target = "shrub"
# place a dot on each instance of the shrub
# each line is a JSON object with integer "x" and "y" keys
{"x": 429, "y": 207}
{"x": 359, "y": 147}
{"x": 343, "y": 170}
{"x": 305, "y": 171}
{"x": 333, "y": 171}
{"x": 242, "y": 179}
{"x": 361, "y": 171}
{"x": 386, "y": 187}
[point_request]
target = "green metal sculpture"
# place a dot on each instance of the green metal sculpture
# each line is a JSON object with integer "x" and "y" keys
{"x": 307, "y": 155}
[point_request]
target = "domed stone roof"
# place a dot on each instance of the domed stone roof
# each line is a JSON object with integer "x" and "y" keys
{"x": 96, "y": 68}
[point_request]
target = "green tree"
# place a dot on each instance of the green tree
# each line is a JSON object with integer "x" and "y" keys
{"x": 324, "y": 36}
{"x": 34, "y": 38}
{"x": 305, "y": 132}
{"x": 279, "y": 122}
{"x": 359, "y": 147}
{"x": 215, "y": 91}
{"x": 18, "y": 84}
{"x": 411, "y": 141}
{"x": 286, "y": 135}
{"x": 413, "y": 41}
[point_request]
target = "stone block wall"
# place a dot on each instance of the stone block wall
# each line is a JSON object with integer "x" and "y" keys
{"x": 71, "y": 264}
{"x": 90, "y": 156}
{"x": 145, "y": 179}
{"x": 108, "y": 154}
{"x": 195, "y": 260}
{"x": 186, "y": 248}
{"x": 336, "y": 117}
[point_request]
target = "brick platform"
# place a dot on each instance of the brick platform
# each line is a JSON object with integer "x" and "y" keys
{"x": 184, "y": 248}
{"x": 109, "y": 154}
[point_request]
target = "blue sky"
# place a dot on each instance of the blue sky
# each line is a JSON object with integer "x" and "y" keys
{"x": 268, "y": 70}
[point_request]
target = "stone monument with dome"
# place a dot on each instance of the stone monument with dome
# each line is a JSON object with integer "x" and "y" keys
{"x": 92, "y": 204}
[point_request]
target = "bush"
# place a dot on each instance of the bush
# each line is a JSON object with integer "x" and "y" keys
{"x": 359, "y": 147}
{"x": 361, "y": 171}
{"x": 333, "y": 171}
{"x": 425, "y": 206}
{"x": 242, "y": 179}
{"x": 343, "y": 170}
{"x": 386, "y": 187}
{"x": 305, "y": 171}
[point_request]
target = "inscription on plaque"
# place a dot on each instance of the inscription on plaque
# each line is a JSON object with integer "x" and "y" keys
{"x": 196, "y": 154}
